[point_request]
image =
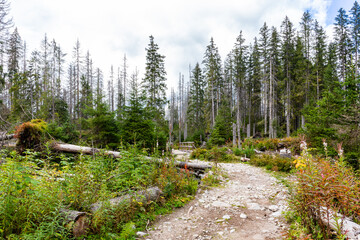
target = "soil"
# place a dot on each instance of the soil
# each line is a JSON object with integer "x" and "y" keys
{"x": 248, "y": 205}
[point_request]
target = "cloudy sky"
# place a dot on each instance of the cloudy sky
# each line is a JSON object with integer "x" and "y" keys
{"x": 182, "y": 29}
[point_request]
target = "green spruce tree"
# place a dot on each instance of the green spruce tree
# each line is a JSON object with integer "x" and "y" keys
{"x": 137, "y": 127}
{"x": 195, "y": 111}
{"x": 213, "y": 76}
{"x": 154, "y": 82}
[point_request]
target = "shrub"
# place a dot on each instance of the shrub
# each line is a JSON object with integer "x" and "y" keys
{"x": 247, "y": 151}
{"x": 197, "y": 137}
{"x": 66, "y": 132}
{"x": 26, "y": 199}
{"x": 273, "y": 162}
{"x": 198, "y": 153}
{"x": 213, "y": 177}
{"x": 273, "y": 144}
{"x": 214, "y": 154}
{"x": 321, "y": 187}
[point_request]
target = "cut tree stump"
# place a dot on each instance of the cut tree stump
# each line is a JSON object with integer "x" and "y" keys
{"x": 77, "y": 222}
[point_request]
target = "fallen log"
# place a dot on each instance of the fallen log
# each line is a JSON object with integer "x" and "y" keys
{"x": 70, "y": 148}
{"x": 340, "y": 223}
{"x": 144, "y": 197}
{"x": 6, "y": 137}
{"x": 189, "y": 165}
{"x": 79, "y": 222}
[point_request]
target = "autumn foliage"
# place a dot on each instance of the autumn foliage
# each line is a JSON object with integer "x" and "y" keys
{"x": 322, "y": 186}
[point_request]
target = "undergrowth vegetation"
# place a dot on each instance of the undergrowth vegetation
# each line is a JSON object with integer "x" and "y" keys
{"x": 324, "y": 189}
{"x": 222, "y": 154}
{"x": 273, "y": 144}
{"x": 273, "y": 162}
{"x": 33, "y": 190}
{"x": 214, "y": 154}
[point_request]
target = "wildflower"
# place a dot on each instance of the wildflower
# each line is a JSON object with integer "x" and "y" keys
{"x": 325, "y": 144}
{"x": 340, "y": 150}
{"x": 303, "y": 145}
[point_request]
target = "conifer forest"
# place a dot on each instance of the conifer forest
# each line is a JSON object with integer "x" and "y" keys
{"x": 294, "y": 87}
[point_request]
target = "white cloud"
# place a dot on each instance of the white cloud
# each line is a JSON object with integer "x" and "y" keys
{"x": 182, "y": 29}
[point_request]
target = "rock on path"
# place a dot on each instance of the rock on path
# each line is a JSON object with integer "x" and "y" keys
{"x": 248, "y": 206}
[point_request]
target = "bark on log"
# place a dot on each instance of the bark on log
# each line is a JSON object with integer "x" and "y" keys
{"x": 70, "y": 148}
{"x": 150, "y": 194}
{"x": 6, "y": 137}
{"x": 189, "y": 165}
{"x": 338, "y": 222}
{"x": 244, "y": 159}
{"x": 77, "y": 222}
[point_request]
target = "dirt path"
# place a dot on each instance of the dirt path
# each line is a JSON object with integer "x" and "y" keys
{"x": 247, "y": 206}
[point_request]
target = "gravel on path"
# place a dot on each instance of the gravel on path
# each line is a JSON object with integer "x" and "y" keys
{"x": 247, "y": 206}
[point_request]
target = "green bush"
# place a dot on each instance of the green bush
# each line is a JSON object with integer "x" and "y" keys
{"x": 196, "y": 137}
{"x": 214, "y": 154}
{"x": 273, "y": 144}
{"x": 65, "y": 132}
{"x": 198, "y": 153}
{"x": 273, "y": 162}
{"x": 247, "y": 151}
{"x": 219, "y": 155}
{"x": 27, "y": 197}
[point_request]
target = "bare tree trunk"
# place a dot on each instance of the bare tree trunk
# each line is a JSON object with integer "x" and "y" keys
{"x": 238, "y": 117}
{"x": 180, "y": 107}
{"x": 265, "y": 106}
{"x": 234, "y": 134}
{"x": 288, "y": 106}
{"x": 250, "y": 109}
{"x": 124, "y": 78}
{"x": 212, "y": 105}
{"x": 271, "y": 102}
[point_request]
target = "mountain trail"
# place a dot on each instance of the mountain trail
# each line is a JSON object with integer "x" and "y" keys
{"x": 247, "y": 206}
